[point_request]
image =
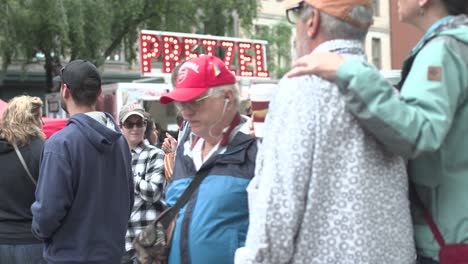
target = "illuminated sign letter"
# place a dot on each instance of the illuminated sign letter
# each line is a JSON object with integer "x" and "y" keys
{"x": 260, "y": 61}
{"x": 244, "y": 59}
{"x": 209, "y": 45}
{"x": 150, "y": 49}
{"x": 229, "y": 54}
{"x": 189, "y": 43}
{"x": 171, "y": 53}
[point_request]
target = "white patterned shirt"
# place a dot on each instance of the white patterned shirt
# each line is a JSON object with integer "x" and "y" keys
{"x": 325, "y": 191}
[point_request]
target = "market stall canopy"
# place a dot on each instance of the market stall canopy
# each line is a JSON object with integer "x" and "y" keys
{"x": 3, "y": 106}
{"x": 52, "y": 125}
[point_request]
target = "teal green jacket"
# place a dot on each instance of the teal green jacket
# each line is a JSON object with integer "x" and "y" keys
{"x": 427, "y": 123}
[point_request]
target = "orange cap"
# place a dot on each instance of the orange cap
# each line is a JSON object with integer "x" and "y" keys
{"x": 337, "y": 8}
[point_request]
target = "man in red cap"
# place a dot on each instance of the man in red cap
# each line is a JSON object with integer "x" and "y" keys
{"x": 327, "y": 191}
{"x": 213, "y": 223}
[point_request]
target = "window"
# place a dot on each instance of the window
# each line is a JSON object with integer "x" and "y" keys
{"x": 376, "y": 7}
{"x": 377, "y": 52}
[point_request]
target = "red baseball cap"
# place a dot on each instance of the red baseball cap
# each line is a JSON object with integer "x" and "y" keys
{"x": 196, "y": 76}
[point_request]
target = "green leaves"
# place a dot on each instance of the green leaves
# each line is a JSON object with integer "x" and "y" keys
{"x": 57, "y": 31}
{"x": 279, "y": 47}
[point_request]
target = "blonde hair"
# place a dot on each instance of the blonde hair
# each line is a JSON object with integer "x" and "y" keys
{"x": 20, "y": 120}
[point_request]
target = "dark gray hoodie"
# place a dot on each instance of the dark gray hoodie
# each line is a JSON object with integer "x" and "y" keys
{"x": 85, "y": 193}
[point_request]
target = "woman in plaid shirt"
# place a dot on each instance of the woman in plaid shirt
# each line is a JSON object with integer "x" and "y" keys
{"x": 148, "y": 175}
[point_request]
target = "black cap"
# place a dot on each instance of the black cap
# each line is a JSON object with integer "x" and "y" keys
{"x": 75, "y": 73}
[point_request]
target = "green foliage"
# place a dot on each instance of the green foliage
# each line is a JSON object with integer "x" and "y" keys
{"x": 279, "y": 47}
{"x": 62, "y": 30}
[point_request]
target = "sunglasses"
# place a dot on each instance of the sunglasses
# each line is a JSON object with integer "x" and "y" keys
{"x": 130, "y": 125}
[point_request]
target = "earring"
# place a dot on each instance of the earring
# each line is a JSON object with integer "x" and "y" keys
{"x": 421, "y": 11}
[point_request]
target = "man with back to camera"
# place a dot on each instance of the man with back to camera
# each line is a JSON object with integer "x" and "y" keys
{"x": 85, "y": 189}
{"x": 324, "y": 190}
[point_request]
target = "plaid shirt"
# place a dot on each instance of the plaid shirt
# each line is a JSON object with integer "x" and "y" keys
{"x": 148, "y": 176}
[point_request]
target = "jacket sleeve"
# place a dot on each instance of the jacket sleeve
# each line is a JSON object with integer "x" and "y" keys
{"x": 418, "y": 119}
{"x": 151, "y": 187}
{"x": 54, "y": 195}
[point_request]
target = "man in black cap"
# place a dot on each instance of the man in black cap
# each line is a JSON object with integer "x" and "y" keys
{"x": 85, "y": 190}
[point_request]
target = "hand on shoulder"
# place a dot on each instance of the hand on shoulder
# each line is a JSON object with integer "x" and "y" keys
{"x": 323, "y": 64}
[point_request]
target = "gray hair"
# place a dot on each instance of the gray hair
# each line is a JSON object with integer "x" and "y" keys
{"x": 335, "y": 28}
{"x": 220, "y": 89}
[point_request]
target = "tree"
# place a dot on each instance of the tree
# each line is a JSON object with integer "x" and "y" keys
{"x": 279, "y": 47}
{"x": 93, "y": 29}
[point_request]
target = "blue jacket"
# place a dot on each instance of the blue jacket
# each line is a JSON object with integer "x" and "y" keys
{"x": 85, "y": 193}
{"x": 214, "y": 222}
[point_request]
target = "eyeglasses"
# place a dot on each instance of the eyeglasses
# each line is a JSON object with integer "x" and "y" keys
{"x": 193, "y": 105}
{"x": 130, "y": 125}
{"x": 292, "y": 14}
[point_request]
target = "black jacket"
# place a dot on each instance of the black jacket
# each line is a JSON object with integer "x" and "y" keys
{"x": 17, "y": 192}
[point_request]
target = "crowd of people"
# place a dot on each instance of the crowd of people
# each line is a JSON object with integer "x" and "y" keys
{"x": 350, "y": 169}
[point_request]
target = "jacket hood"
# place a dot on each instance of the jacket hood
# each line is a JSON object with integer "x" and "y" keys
{"x": 455, "y": 27}
{"x": 102, "y": 136}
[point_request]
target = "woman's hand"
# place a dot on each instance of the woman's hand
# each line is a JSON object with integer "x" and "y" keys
{"x": 170, "y": 144}
{"x": 323, "y": 64}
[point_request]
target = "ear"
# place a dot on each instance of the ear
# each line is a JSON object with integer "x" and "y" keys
{"x": 229, "y": 99}
{"x": 100, "y": 92}
{"x": 313, "y": 24}
{"x": 66, "y": 93}
{"x": 423, "y": 3}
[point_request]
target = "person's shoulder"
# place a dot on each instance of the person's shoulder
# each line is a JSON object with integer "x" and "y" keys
{"x": 155, "y": 150}
{"x": 300, "y": 82}
{"x": 293, "y": 81}
{"x": 65, "y": 138}
{"x": 151, "y": 149}
{"x": 36, "y": 143}
{"x": 64, "y": 134}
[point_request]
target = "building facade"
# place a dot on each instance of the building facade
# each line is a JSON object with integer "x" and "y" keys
{"x": 403, "y": 37}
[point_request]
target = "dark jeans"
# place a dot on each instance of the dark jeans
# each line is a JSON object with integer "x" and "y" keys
{"x": 424, "y": 260}
{"x": 22, "y": 254}
{"x": 129, "y": 257}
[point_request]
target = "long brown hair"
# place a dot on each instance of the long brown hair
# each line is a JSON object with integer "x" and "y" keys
{"x": 21, "y": 120}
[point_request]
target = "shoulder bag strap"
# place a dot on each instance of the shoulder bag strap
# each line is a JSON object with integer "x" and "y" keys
{"x": 169, "y": 214}
{"x": 20, "y": 157}
{"x": 190, "y": 190}
{"x": 435, "y": 231}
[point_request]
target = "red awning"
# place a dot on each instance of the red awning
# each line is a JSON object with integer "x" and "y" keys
{"x": 52, "y": 125}
{"x": 3, "y": 106}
